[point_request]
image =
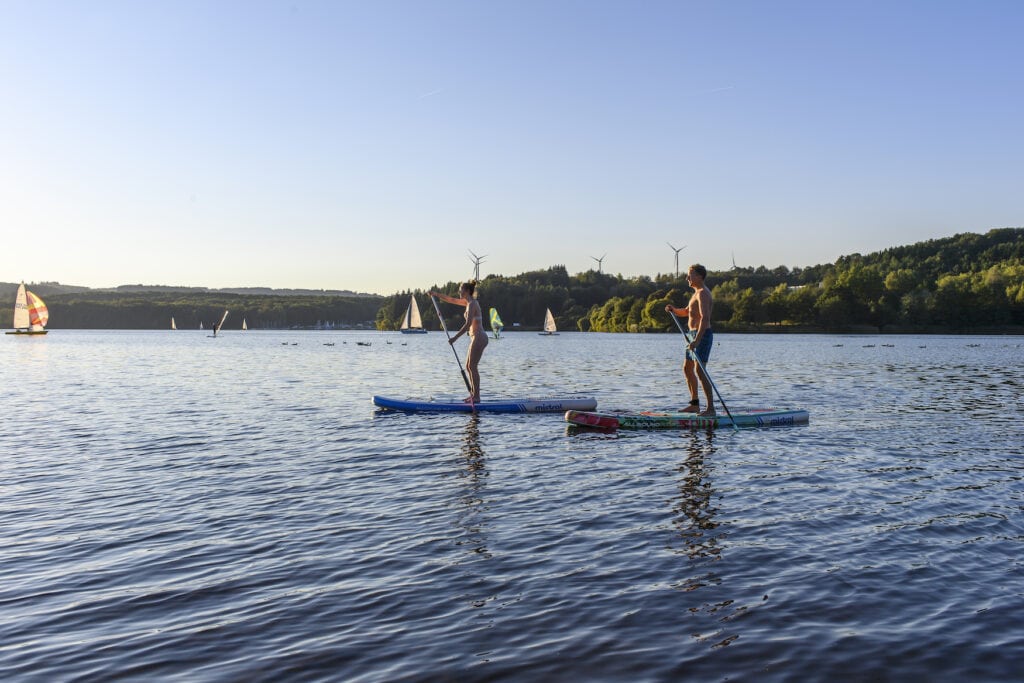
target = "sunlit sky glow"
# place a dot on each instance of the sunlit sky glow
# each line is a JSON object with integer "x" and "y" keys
{"x": 369, "y": 145}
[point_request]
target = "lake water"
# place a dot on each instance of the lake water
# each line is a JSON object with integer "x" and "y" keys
{"x": 180, "y": 507}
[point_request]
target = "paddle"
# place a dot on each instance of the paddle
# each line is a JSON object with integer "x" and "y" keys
{"x": 443, "y": 327}
{"x": 705, "y": 371}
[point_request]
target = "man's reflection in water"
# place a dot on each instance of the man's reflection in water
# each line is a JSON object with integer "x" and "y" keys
{"x": 695, "y": 521}
{"x": 694, "y": 516}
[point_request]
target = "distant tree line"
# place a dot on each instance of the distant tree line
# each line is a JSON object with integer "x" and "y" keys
{"x": 968, "y": 282}
{"x": 961, "y": 283}
{"x": 104, "y": 309}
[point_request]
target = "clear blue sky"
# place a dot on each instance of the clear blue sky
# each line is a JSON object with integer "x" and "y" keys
{"x": 368, "y": 145}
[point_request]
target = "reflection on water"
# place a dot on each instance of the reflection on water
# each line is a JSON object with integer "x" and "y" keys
{"x": 471, "y": 508}
{"x": 694, "y": 518}
{"x": 694, "y": 515}
{"x": 239, "y": 511}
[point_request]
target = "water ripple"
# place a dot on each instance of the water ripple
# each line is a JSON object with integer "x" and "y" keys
{"x": 236, "y": 510}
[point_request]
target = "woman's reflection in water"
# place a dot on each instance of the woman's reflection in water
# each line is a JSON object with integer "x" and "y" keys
{"x": 472, "y": 475}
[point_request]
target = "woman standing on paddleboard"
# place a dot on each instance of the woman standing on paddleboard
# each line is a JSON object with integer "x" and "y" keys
{"x": 698, "y": 315}
{"x": 474, "y": 325}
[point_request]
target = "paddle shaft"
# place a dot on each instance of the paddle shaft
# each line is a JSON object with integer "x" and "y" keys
{"x": 700, "y": 365}
{"x": 459, "y": 362}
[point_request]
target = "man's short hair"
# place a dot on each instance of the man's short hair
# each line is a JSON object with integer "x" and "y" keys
{"x": 699, "y": 269}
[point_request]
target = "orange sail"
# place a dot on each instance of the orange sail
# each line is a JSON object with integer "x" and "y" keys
{"x": 37, "y": 313}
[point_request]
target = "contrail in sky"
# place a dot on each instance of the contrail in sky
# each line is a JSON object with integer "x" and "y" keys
{"x": 430, "y": 94}
{"x": 712, "y": 91}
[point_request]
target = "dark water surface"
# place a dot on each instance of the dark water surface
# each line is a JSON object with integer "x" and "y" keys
{"x": 180, "y": 507}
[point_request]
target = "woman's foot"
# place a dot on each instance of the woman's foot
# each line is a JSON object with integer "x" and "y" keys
{"x": 694, "y": 407}
{"x": 710, "y": 412}
{"x": 469, "y": 399}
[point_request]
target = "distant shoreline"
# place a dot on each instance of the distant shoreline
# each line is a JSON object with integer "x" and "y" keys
{"x": 997, "y": 330}
{"x": 1005, "y": 331}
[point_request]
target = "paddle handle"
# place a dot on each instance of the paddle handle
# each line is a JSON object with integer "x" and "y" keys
{"x": 440, "y": 317}
{"x": 675, "y": 319}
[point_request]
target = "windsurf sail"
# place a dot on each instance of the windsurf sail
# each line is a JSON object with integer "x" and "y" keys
{"x": 173, "y": 326}
{"x": 216, "y": 328}
{"x": 244, "y": 326}
{"x": 496, "y": 323}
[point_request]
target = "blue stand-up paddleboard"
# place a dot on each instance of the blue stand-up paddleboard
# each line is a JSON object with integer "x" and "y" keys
{"x": 504, "y": 405}
{"x": 756, "y": 417}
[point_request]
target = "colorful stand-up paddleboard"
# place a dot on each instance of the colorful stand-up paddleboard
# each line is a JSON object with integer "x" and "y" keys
{"x": 757, "y": 417}
{"x": 504, "y": 405}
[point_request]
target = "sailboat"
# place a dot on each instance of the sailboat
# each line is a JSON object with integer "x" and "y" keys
{"x": 412, "y": 323}
{"x": 173, "y": 326}
{"x": 30, "y": 314}
{"x": 216, "y": 328}
{"x": 549, "y": 324}
{"x": 244, "y": 326}
{"x": 496, "y": 323}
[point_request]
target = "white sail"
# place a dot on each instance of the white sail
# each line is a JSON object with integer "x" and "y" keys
{"x": 173, "y": 326}
{"x": 21, "y": 309}
{"x": 216, "y": 328}
{"x": 244, "y": 326}
{"x": 549, "y": 322}
{"x": 412, "y": 320}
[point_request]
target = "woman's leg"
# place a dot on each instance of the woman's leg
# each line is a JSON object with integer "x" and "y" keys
{"x": 476, "y": 350}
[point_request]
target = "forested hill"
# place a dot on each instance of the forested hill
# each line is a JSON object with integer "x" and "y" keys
{"x": 50, "y": 288}
{"x": 153, "y": 308}
{"x": 968, "y": 282}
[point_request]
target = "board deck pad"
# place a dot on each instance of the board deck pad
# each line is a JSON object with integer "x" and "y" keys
{"x": 502, "y": 405}
{"x": 749, "y": 417}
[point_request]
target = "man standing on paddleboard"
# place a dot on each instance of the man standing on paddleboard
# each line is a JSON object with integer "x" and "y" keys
{"x": 698, "y": 315}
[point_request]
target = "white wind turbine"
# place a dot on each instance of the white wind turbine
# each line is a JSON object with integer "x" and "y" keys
{"x": 477, "y": 260}
{"x": 677, "y": 255}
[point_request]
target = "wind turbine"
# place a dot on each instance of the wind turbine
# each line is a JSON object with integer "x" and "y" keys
{"x": 734, "y": 260}
{"x": 477, "y": 260}
{"x": 677, "y": 255}
{"x": 599, "y": 260}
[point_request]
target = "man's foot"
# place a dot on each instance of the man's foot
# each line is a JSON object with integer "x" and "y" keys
{"x": 710, "y": 412}
{"x": 694, "y": 407}
{"x": 469, "y": 399}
